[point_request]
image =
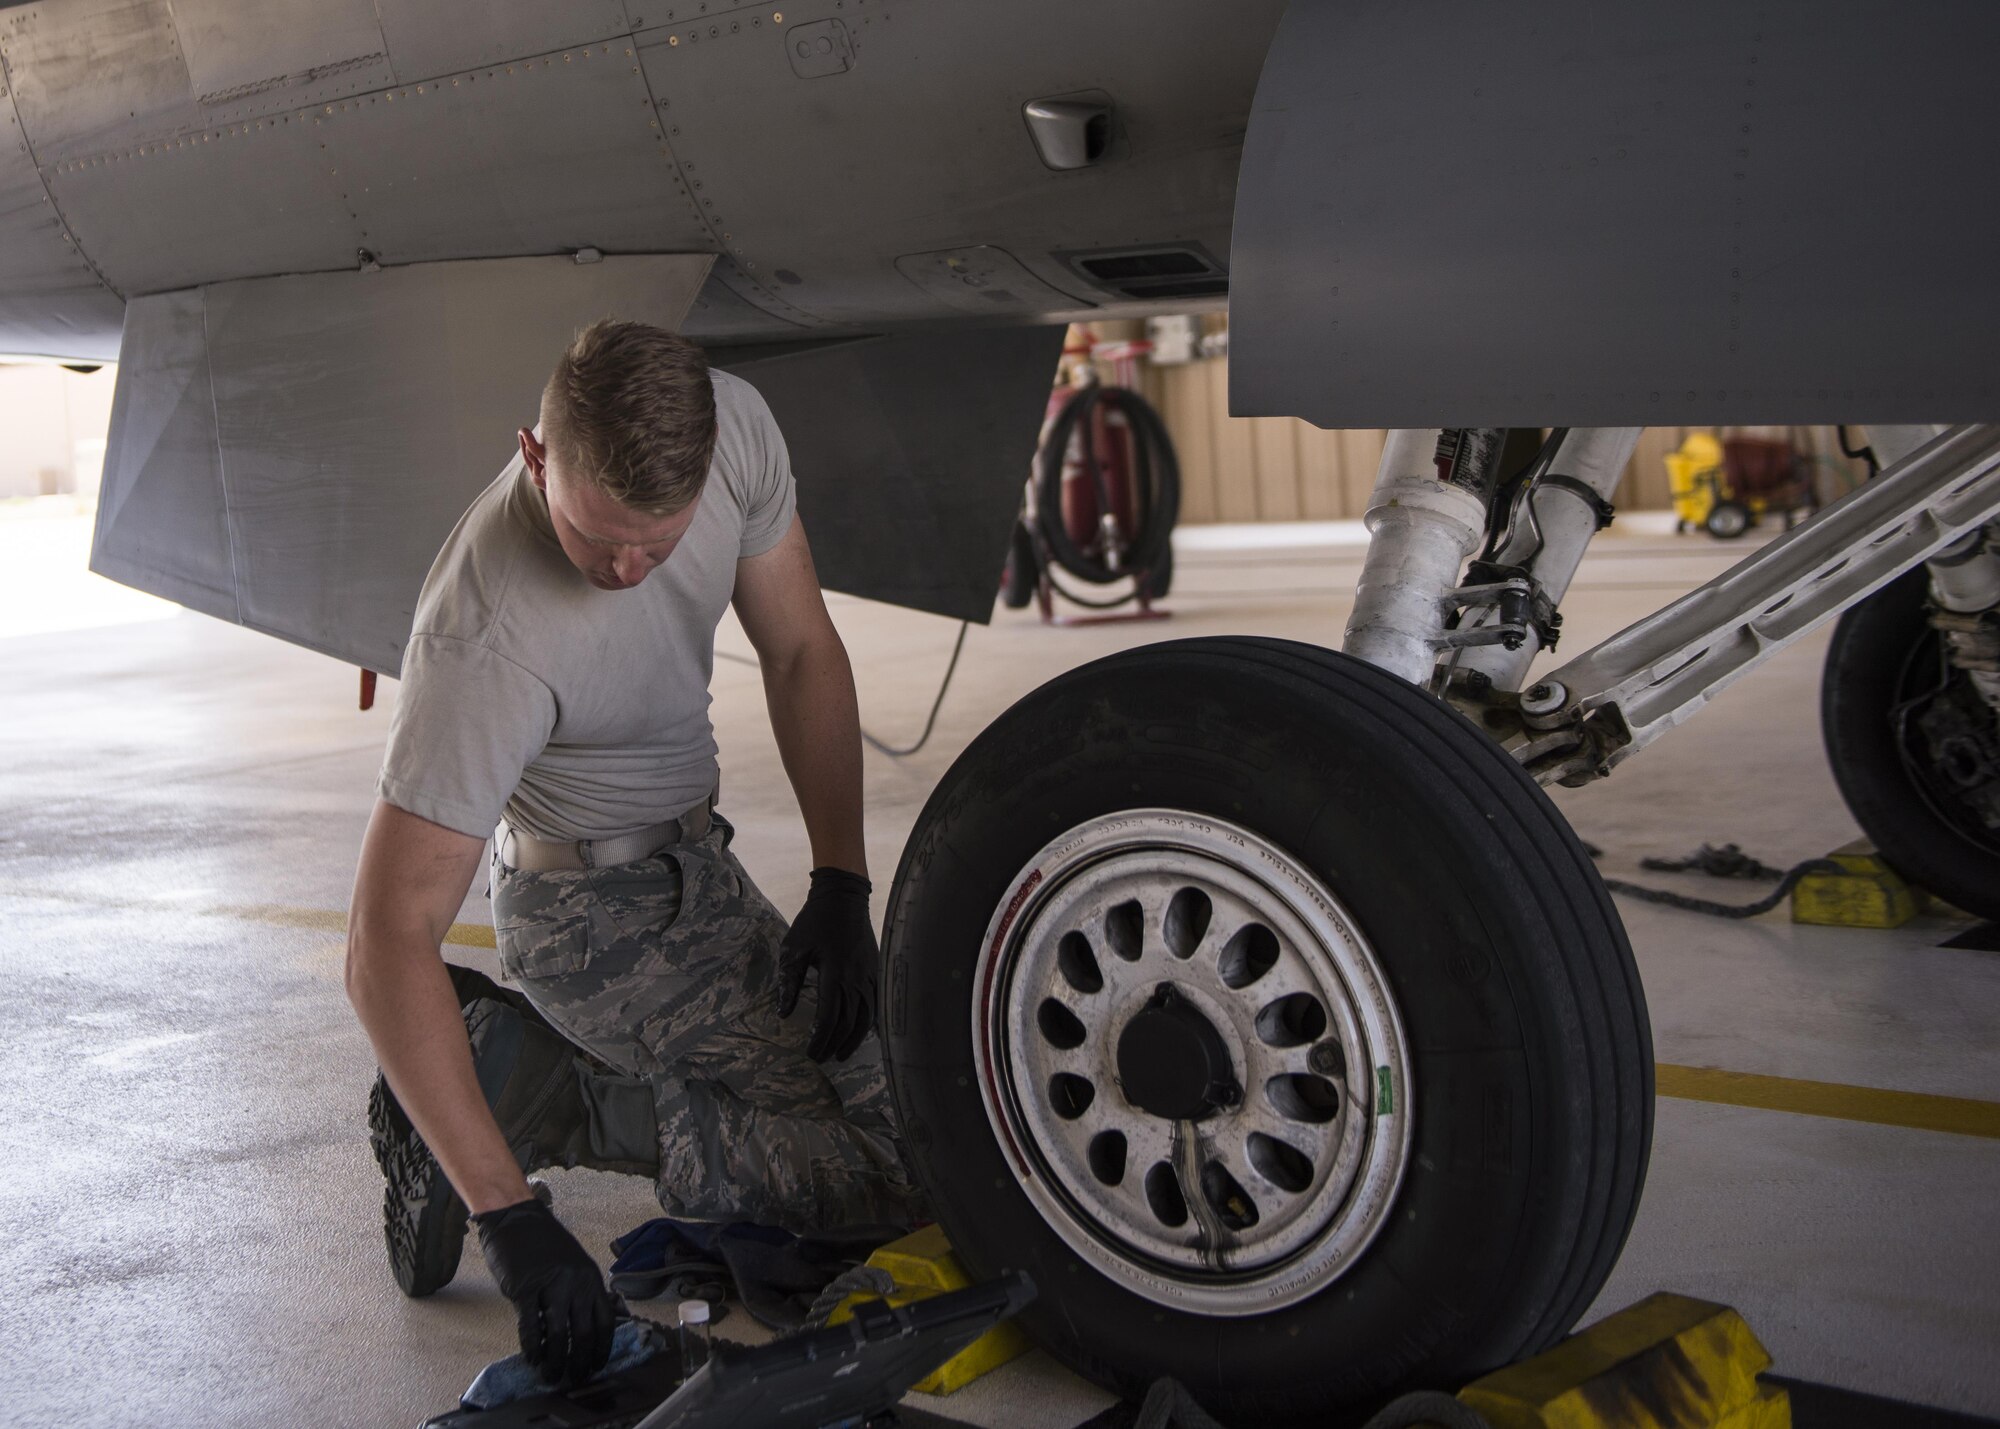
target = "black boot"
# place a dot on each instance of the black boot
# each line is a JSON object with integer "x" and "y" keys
{"x": 423, "y": 1220}
{"x": 536, "y": 1082}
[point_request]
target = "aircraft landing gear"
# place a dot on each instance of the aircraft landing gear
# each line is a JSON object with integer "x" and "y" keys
{"x": 1914, "y": 747}
{"x": 1268, "y": 1013}
{"x": 1255, "y": 998}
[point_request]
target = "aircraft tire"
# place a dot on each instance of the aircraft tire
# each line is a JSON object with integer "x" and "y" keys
{"x": 1160, "y": 579}
{"x": 1017, "y": 580}
{"x": 1425, "y": 893}
{"x": 1883, "y": 656}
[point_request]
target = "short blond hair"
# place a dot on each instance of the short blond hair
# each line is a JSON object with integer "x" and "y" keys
{"x": 631, "y": 409}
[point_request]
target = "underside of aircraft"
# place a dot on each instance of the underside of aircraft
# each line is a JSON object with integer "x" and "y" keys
{"x": 1251, "y": 995}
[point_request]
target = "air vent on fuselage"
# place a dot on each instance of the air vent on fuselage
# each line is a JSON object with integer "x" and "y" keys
{"x": 1161, "y": 270}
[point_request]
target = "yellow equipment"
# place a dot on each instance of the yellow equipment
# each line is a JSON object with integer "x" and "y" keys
{"x": 1726, "y": 485}
{"x": 1703, "y": 494}
{"x": 1866, "y": 894}
{"x": 1668, "y": 1362}
{"x": 922, "y": 1265}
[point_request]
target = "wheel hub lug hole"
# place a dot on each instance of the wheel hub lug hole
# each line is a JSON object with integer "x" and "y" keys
{"x": 1188, "y": 915}
{"x": 1063, "y": 1028}
{"x": 1279, "y": 1162}
{"x": 1078, "y": 963}
{"x": 1292, "y": 1020}
{"x": 1071, "y": 1095}
{"x": 1107, "y": 1157}
{"x": 1125, "y": 930}
{"x": 1329, "y": 1058}
{"x": 1232, "y": 1204}
{"x": 1251, "y": 951}
{"x": 1163, "y": 1195}
{"x": 1297, "y": 1097}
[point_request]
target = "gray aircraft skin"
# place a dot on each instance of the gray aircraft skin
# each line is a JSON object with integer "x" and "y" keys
{"x": 763, "y": 175}
{"x": 851, "y": 164}
{"x": 335, "y": 246}
{"x": 1446, "y": 215}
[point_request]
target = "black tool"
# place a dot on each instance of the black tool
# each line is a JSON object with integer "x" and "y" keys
{"x": 842, "y": 1376}
{"x": 845, "y": 1377}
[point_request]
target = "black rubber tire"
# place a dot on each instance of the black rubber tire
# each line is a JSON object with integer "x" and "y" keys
{"x": 1532, "y": 1068}
{"x": 1728, "y": 520}
{"x": 1017, "y": 580}
{"x": 1883, "y": 653}
{"x": 1160, "y": 579}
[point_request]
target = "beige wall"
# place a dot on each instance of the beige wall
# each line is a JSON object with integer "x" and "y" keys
{"x": 1282, "y": 469}
{"x": 52, "y": 429}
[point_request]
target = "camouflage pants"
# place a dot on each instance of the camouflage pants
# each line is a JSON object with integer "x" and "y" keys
{"x": 667, "y": 970}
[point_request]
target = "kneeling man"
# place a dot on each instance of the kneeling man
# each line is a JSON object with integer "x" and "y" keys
{"x": 556, "y": 685}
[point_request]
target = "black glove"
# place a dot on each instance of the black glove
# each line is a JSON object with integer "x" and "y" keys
{"x": 833, "y": 933}
{"x": 566, "y": 1315}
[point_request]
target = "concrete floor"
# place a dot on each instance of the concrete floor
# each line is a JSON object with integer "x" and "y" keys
{"x": 191, "y": 1213}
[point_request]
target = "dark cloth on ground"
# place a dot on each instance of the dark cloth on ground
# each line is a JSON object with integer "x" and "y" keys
{"x": 775, "y": 1274}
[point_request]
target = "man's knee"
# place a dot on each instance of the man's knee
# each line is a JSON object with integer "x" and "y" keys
{"x": 722, "y": 1158}
{"x": 555, "y": 1105}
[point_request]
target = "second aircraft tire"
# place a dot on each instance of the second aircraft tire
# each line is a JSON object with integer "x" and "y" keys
{"x": 1885, "y": 670}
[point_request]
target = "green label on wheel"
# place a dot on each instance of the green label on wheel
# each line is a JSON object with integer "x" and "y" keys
{"x": 1385, "y": 1092}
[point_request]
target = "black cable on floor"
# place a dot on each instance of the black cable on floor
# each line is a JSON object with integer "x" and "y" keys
{"x": 1725, "y": 910}
{"x": 937, "y": 704}
{"x": 1729, "y": 861}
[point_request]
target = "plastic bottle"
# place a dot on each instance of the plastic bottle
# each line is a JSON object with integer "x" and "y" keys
{"x": 693, "y": 1335}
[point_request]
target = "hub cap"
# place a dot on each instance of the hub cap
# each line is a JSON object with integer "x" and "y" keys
{"x": 1191, "y": 1059}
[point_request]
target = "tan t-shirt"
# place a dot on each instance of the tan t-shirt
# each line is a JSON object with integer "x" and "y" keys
{"x": 582, "y": 713}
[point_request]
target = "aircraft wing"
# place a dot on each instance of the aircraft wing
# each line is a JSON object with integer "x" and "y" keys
{"x": 290, "y": 453}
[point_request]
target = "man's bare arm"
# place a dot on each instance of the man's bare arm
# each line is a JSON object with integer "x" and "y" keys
{"x": 409, "y": 887}
{"x": 809, "y": 689}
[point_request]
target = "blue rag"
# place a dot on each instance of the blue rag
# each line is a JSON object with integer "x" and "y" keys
{"x": 504, "y": 1381}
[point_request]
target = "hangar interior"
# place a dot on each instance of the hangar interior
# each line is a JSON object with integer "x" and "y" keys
{"x": 195, "y": 1218}
{"x": 1433, "y": 802}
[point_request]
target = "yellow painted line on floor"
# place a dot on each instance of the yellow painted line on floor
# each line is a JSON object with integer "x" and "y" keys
{"x": 1961, "y": 1116}
{"x": 1921, "y": 1111}
{"x": 317, "y": 920}
{"x": 463, "y": 935}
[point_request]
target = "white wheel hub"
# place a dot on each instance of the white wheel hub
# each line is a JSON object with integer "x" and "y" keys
{"x": 1191, "y": 1060}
